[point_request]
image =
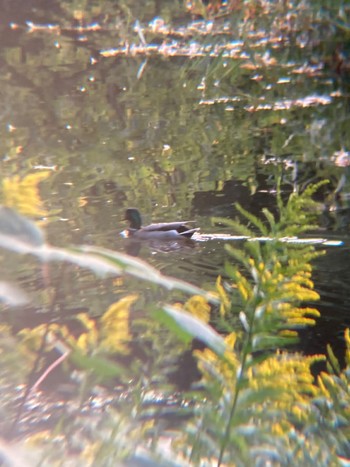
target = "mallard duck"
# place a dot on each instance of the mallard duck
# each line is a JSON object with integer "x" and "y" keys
{"x": 164, "y": 230}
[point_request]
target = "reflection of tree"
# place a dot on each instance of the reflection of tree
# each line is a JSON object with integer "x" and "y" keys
{"x": 187, "y": 126}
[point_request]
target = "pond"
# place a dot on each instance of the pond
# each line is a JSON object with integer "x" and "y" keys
{"x": 148, "y": 105}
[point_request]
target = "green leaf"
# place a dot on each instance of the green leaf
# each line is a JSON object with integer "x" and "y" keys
{"x": 270, "y": 342}
{"x": 168, "y": 321}
{"x": 236, "y": 226}
{"x": 238, "y": 255}
{"x": 333, "y": 363}
{"x": 253, "y": 219}
{"x": 101, "y": 367}
{"x": 270, "y": 217}
{"x": 230, "y": 270}
{"x": 254, "y": 249}
{"x": 248, "y": 397}
{"x": 187, "y": 326}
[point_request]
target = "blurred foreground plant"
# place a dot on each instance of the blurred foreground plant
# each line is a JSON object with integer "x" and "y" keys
{"x": 23, "y": 193}
{"x": 257, "y": 403}
{"x": 261, "y": 404}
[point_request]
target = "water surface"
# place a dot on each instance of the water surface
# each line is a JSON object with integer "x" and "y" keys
{"x": 179, "y": 118}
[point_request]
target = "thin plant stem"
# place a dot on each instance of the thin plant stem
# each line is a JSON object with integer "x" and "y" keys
{"x": 49, "y": 369}
{"x": 238, "y": 384}
{"x": 31, "y": 382}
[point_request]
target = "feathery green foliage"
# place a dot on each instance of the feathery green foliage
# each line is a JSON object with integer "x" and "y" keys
{"x": 262, "y": 404}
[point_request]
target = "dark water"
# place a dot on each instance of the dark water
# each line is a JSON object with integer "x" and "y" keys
{"x": 177, "y": 119}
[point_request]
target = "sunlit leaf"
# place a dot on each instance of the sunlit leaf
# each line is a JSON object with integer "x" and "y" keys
{"x": 199, "y": 307}
{"x": 225, "y": 301}
{"x": 115, "y": 333}
{"x": 87, "y": 341}
{"x": 329, "y": 387}
{"x": 244, "y": 321}
{"x": 223, "y": 368}
{"x": 187, "y": 327}
{"x": 347, "y": 342}
{"x": 333, "y": 364}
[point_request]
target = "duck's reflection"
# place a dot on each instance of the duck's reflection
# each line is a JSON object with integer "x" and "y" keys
{"x": 133, "y": 246}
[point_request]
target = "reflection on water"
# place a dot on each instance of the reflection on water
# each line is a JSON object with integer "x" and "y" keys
{"x": 122, "y": 117}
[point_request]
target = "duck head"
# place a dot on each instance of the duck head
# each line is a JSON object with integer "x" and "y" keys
{"x": 134, "y": 217}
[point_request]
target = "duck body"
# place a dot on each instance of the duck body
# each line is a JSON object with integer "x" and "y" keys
{"x": 163, "y": 230}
